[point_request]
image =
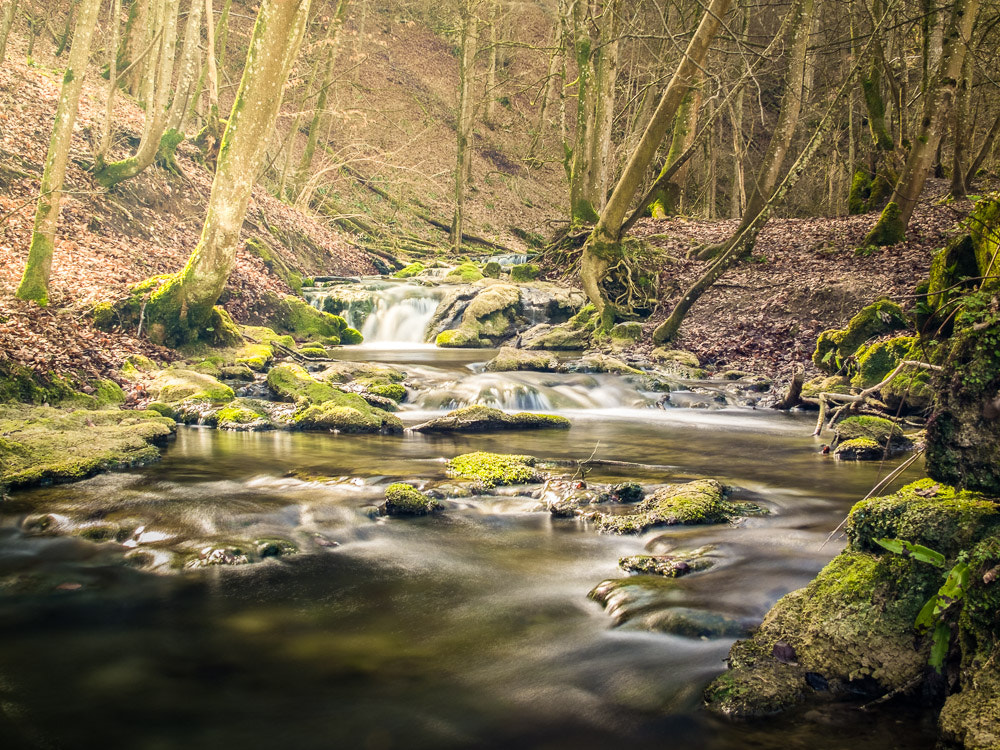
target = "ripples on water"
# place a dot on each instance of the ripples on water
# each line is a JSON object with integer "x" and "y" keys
{"x": 468, "y": 629}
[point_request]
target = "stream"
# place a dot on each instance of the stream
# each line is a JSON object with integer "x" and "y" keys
{"x": 469, "y": 628}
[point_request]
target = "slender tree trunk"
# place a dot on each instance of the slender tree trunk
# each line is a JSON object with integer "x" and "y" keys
{"x": 772, "y": 166}
{"x": 604, "y": 244}
{"x": 961, "y": 129}
{"x": 173, "y": 135}
{"x": 137, "y": 39}
{"x": 180, "y": 309}
{"x": 605, "y": 83}
{"x": 667, "y": 200}
{"x": 463, "y": 155}
{"x": 159, "y": 88}
{"x": 490, "y": 98}
{"x": 35, "y": 280}
{"x": 104, "y": 142}
{"x": 984, "y": 151}
{"x": 891, "y": 226}
{"x": 549, "y": 94}
{"x": 9, "y": 14}
{"x": 585, "y": 42}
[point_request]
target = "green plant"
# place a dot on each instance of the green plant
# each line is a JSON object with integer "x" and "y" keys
{"x": 943, "y": 607}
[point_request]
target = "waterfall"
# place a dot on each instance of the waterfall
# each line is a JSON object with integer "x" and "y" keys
{"x": 400, "y": 315}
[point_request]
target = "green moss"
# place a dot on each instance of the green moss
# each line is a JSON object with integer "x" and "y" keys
{"x": 890, "y": 228}
{"x": 347, "y": 412}
{"x": 459, "y": 338}
{"x": 44, "y": 444}
{"x": 303, "y": 322}
{"x": 464, "y": 273}
{"x": 403, "y": 500}
{"x": 509, "y": 359}
{"x": 255, "y": 356}
{"x": 103, "y": 316}
{"x": 395, "y": 391}
{"x": 859, "y": 449}
{"x": 878, "y": 429}
{"x": 679, "y": 356}
{"x": 291, "y": 382}
{"x": 698, "y": 502}
{"x": 875, "y": 362}
{"x": 344, "y": 372}
{"x": 316, "y": 352}
{"x": 924, "y": 512}
{"x": 861, "y": 189}
{"x": 172, "y": 386}
{"x": 524, "y": 272}
{"x": 627, "y": 332}
{"x": 492, "y": 270}
{"x": 493, "y": 469}
{"x": 834, "y": 346}
{"x": 351, "y": 336}
{"x": 243, "y": 414}
{"x": 411, "y": 270}
{"x": 136, "y": 366}
{"x": 108, "y": 393}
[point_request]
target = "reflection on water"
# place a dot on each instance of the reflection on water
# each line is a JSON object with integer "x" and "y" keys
{"x": 468, "y": 629}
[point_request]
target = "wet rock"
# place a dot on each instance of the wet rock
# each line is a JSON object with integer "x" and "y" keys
{"x": 494, "y": 469}
{"x": 603, "y": 363}
{"x": 866, "y": 438}
{"x": 488, "y": 419}
{"x": 859, "y": 449}
{"x": 673, "y": 565}
{"x": 175, "y": 385}
{"x": 563, "y": 337}
{"x": 699, "y": 502}
{"x": 488, "y": 319}
{"x": 626, "y": 492}
{"x": 404, "y": 500}
{"x": 211, "y": 556}
{"x": 509, "y": 359}
{"x": 245, "y": 415}
{"x": 274, "y": 548}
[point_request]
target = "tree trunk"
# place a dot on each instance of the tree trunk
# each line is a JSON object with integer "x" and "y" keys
{"x": 180, "y": 309}
{"x": 35, "y": 280}
{"x": 174, "y": 133}
{"x": 961, "y": 131}
{"x": 9, "y": 14}
{"x": 772, "y": 165}
{"x": 891, "y": 226}
{"x": 984, "y": 151}
{"x": 585, "y": 42}
{"x": 604, "y": 242}
{"x": 137, "y": 39}
{"x": 490, "y": 98}
{"x": 159, "y": 87}
{"x": 463, "y": 158}
{"x": 104, "y": 142}
{"x": 605, "y": 82}
{"x": 668, "y": 198}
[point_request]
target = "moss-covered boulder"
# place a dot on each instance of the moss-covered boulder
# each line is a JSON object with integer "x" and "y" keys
{"x": 674, "y": 565}
{"x": 404, "y": 500}
{"x": 295, "y": 317}
{"x": 859, "y": 449}
{"x": 466, "y": 273}
{"x": 492, "y": 270}
{"x": 826, "y": 384}
{"x": 494, "y": 469}
{"x": 509, "y": 359}
{"x": 626, "y": 333}
{"x": 488, "y": 419}
{"x": 834, "y": 346}
{"x": 963, "y": 434}
{"x": 412, "y": 269}
{"x": 172, "y": 386}
{"x": 663, "y": 355}
{"x": 562, "y": 337}
{"x": 488, "y": 319}
{"x": 879, "y": 429}
{"x": 698, "y": 502}
{"x": 924, "y": 512}
{"x": 604, "y": 363}
{"x": 346, "y": 372}
{"x": 245, "y": 415}
{"x": 524, "y": 272}
{"x": 39, "y": 445}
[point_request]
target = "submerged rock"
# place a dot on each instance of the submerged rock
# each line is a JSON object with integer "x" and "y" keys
{"x": 488, "y": 419}
{"x": 245, "y": 415}
{"x": 698, "y": 502}
{"x": 673, "y": 565}
{"x": 404, "y": 500}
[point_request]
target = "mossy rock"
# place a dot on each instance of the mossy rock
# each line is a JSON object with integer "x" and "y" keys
{"x": 267, "y": 336}
{"x": 411, "y": 270}
{"x": 877, "y": 429}
{"x": 826, "y": 384}
{"x": 244, "y": 415}
{"x": 40, "y": 445}
{"x": 348, "y": 412}
{"x": 291, "y": 382}
{"x": 604, "y": 363}
{"x": 699, "y": 502}
{"x": 136, "y": 366}
{"x": 674, "y": 565}
{"x": 859, "y": 449}
{"x": 239, "y": 372}
{"x": 404, "y": 500}
{"x": 492, "y": 270}
{"x": 834, "y": 346}
{"x": 494, "y": 469}
{"x": 509, "y": 359}
{"x": 351, "y": 337}
{"x": 345, "y": 372}
{"x": 466, "y": 273}
{"x": 392, "y": 391}
{"x": 222, "y": 330}
{"x": 876, "y": 361}
{"x": 924, "y": 512}
{"x": 853, "y": 624}
{"x": 294, "y": 316}
{"x": 681, "y": 357}
{"x": 174, "y": 385}
{"x": 626, "y": 332}
{"x": 314, "y": 352}
{"x": 487, "y": 419}
{"x": 459, "y": 338}
{"x": 523, "y": 272}
{"x": 562, "y": 337}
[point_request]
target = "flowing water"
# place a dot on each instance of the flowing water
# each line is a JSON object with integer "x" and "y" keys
{"x": 471, "y": 628}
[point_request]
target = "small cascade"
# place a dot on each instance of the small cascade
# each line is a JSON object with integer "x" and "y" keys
{"x": 401, "y": 314}
{"x": 386, "y": 312}
{"x": 533, "y": 391}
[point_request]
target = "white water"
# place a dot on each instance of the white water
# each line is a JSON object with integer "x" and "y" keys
{"x": 401, "y": 315}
